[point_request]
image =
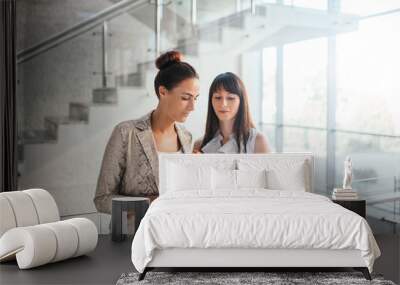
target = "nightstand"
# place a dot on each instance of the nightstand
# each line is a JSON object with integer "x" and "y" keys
{"x": 357, "y": 206}
{"x": 120, "y": 206}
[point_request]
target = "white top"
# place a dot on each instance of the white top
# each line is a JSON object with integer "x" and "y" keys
{"x": 179, "y": 151}
{"x": 215, "y": 145}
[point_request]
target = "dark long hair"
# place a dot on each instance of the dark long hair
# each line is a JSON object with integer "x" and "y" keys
{"x": 172, "y": 71}
{"x": 231, "y": 83}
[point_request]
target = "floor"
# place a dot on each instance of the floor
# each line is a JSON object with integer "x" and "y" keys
{"x": 389, "y": 262}
{"x": 110, "y": 260}
{"x": 103, "y": 266}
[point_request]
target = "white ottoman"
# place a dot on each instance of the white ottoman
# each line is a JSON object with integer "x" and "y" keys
{"x": 31, "y": 230}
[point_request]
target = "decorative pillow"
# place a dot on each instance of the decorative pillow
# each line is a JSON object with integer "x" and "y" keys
{"x": 224, "y": 179}
{"x": 251, "y": 178}
{"x": 183, "y": 177}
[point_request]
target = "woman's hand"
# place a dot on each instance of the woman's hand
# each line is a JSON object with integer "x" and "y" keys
{"x": 197, "y": 146}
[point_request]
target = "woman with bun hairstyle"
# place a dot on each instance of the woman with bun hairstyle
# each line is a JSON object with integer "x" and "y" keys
{"x": 229, "y": 127}
{"x": 130, "y": 162}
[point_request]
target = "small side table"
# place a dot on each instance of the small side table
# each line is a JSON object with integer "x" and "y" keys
{"x": 121, "y": 205}
{"x": 357, "y": 206}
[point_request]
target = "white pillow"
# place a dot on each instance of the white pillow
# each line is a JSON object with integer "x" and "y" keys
{"x": 287, "y": 179}
{"x": 188, "y": 177}
{"x": 282, "y": 174}
{"x": 251, "y": 178}
{"x": 224, "y": 179}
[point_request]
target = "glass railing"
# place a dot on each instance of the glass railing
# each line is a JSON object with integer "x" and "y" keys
{"x": 68, "y": 65}
{"x": 375, "y": 157}
{"x": 73, "y": 88}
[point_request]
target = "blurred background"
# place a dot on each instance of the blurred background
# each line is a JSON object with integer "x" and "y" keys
{"x": 322, "y": 75}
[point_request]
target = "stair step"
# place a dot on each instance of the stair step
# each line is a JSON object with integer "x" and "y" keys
{"x": 78, "y": 112}
{"x": 210, "y": 34}
{"x": 63, "y": 120}
{"x": 233, "y": 28}
{"x": 37, "y": 137}
{"x": 235, "y": 20}
{"x": 105, "y": 95}
{"x": 194, "y": 47}
{"x": 188, "y": 48}
{"x": 51, "y": 124}
{"x": 131, "y": 79}
{"x": 146, "y": 65}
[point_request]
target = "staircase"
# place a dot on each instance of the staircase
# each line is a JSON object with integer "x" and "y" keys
{"x": 270, "y": 26}
{"x": 173, "y": 23}
{"x": 68, "y": 165}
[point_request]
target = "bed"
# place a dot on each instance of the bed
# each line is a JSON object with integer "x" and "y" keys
{"x": 245, "y": 211}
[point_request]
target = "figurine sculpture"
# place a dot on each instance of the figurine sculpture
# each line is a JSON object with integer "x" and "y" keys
{"x": 348, "y": 175}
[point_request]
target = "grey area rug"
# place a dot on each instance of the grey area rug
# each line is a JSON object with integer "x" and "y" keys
{"x": 225, "y": 278}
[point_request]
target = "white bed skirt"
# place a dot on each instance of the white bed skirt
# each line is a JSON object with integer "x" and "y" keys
{"x": 193, "y": 257}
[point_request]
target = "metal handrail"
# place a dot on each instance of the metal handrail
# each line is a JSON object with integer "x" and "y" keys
{"x": 373, "y": 178}
{"x": 330, "y": 130}
{"x": 157, "y": 24}
{"x": 384, "y": 13}
{"x": 193, "y": 12}
{"x": 78, "y": 29}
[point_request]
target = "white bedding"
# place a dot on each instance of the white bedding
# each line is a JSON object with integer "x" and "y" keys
{"x": 251, "y": 218}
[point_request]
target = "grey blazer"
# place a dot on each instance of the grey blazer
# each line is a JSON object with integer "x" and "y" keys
{"x": 130, "y": 162}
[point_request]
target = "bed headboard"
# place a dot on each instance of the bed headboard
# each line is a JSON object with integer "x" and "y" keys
{"x": 286, "y": 166}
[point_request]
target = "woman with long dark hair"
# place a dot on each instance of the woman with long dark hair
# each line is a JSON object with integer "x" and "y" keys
{"x": 229, "y": 127}
{"x": 130, "y": 162}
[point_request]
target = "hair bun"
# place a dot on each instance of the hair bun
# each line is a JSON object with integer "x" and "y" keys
{"x": 168, "y": 58}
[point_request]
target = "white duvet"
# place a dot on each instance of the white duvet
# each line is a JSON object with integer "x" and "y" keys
{"x": 253, "y": 218}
